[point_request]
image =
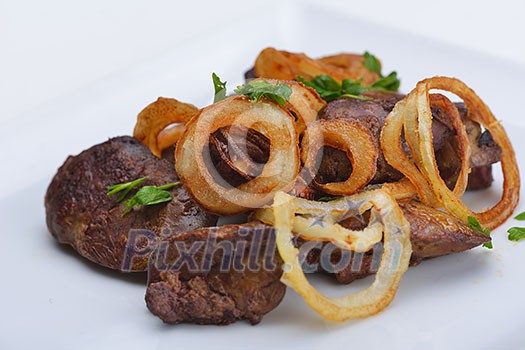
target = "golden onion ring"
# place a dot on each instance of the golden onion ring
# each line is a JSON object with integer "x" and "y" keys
{"x": 396, "y": 157}
{"x": 204, "y": 183}
{"x": 345, "y": 135}
{"x": 480, "y": 113}
{"x": 283, "y": 65}
{"x": 402, "y": 190}
{"x": 353, "y": 64}
{"x": 414, "y": 115}
{"x": 394, "y": 262}
{"x": 155, "y": 117}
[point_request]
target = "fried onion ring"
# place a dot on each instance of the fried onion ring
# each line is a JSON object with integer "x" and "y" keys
{"x": 394, "y": 262}
{"x": 202, "y": 180}
{"x": 353, "y": 64}
{"x": 413, "y": 116}
{"x": 355, "y": 140}
{"x": 480, "y": 113}
{"x": 283, "y": 65}
{"x": 153, "y": 119}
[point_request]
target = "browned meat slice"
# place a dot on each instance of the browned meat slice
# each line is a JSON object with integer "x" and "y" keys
{"x": 79, "y": 212}
{"x": 216, "y": 275}
{"x": 231, "y": 146}
{"x": 480, "y": 178}
{"x": 433, "y": 233}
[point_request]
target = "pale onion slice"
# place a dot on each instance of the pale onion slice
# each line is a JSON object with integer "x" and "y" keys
{"x": 170, "y": 135}
{"x": 418, "y": 133}
{"x": 352, "y": 138}
{"x": 396, "y": 156}
{"x": 156, "y": 117}
{"x": 204, "y": 183}
{"x": 321, "y": 223}
{"x": 394, "y": 262}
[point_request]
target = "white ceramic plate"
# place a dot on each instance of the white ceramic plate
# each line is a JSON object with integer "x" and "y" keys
{"x": 52, "y": 298}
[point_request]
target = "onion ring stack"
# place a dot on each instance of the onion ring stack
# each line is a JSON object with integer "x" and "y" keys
{"x": 413, "y": 116}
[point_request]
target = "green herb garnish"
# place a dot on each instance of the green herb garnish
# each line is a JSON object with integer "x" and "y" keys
{"x": 150, "y": 195}
{"x": 124, "y": 188}
{"x": 389, "y": 83}
{"x": 516, "y": 233}
{"x": 147, "y": 195}
{"x": 474, "y": 224}
{"x": 328, "y": 198}
{"x": 329, "y": 89}
{"x": 219, "y": 87}
{"x": 372, "y": 63}
{"x": 520, "y": 217}
{"x": 258, "y": 89}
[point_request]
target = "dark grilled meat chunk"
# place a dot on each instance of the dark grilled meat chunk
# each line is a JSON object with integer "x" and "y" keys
{"x": 480, "y": 178}
{"x": 432, "y": 233}
{"x": 79, "y": 213}
{"x": 246, "y": 288}
{"x": 239, "y": 144}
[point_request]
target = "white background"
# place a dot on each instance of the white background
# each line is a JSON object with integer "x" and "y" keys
{"x": 49, "y": 48}
{"x": 74, "y": 74}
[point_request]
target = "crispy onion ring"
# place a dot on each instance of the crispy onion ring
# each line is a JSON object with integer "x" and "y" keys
{"x": 201, "y": 179}
{"x": 401, "y": 190}
{"x": 396, "y": 157}
{"x": 394, "y": 262}
{"x": 283, "y": 65}
{"x": 415, "y": 116}
{"x": 352, "y": 138}
{"x": 353, "y": 64}
{"x": 153, "y": 119}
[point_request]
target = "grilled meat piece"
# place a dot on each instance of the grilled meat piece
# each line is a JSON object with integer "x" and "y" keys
{"x": 229, "y": 146}
{"x": 480, "y": 178}
{"x": 433, "y": 233}
{"x": 79, "y": 213}
{"x": 232, "y": 275}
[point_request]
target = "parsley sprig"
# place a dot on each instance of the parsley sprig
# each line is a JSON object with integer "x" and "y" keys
{"x": 254, "y": 90}
{"x": 257, "y": 89}
{"x": 146, "y": 195}
{"x": 328, "y": 198}
{"x": 329, "y": 89}
{"x": 474, "y": 224}
{"x": 517, "y": 233}
{"x": 124, "y": 188}
{"x": 219, "y": 87}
